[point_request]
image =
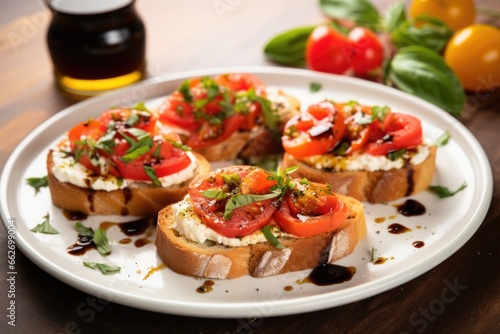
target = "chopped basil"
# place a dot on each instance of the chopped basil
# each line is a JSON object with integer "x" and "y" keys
{"x": 380, "y": 112}
{"x": 38, "y": 182}
{"x": 341, "y": 148}
{"x": 304, "y": 181}
{"x": 314, "y": 87}
{"x": 266, "y": 230}
{"x": 215, "y": 194}
{"x": 133, "y": 119}
{"x": 372, "y": 258}
{"x": 101, "y": 242}
{"x": 106, "y": 269}
{"x": 237, "y": 201}
{"x": 444, "y": 192}
{"x": 84, "y": 231}
{"x": 443, "y": 139}
{"x": 180, "y": 145}
{"x": 395, "y": 155}
{"x": 151, "y": 173}
{"x": 141, "y": 106}
{"x": 45, "y": 227}
{"x": 185, "y": 91}
{"x": 232, "y": 180}
{"x": 157, "y": 151}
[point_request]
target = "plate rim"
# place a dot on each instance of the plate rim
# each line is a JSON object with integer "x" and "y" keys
{"x": 282, "y": 307}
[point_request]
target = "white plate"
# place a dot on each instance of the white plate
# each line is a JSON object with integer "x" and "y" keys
{"x": 446, "y": 226}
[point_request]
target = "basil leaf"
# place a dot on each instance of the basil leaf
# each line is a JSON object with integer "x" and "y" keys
{"x": 395, "y": 155}
{"x": 45, "y": 227}
{"x": 214, "y": 193}
{"x": 444, "y": 192}
{"x": 380, "y": 112}
{"x": 443, "y": 139}
{"x": 185, "y": 90}
{"x": 361, "y": 12}
{"x": 266, "y": 230}
{"x": 151, "y": 173}
{"x": 314, "y": 87}
{"x": 141, "y": 106}
{"x": 288, "y": 48}
{"x": 38, "y": 182}
{"x": 422, "y": 72}
{"x": 101, "y": 242}
{"x": 84, "y": 231}
{"x": 237, "y": 201}
{"x": 106, "y": 269}
{"x": 394, "y": 16}
{"x": 431, "y": 33}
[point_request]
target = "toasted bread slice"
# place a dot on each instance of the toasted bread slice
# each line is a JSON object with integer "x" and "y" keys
{"x": 139, "y": 199}
{"x": 378, "y": 186}
{"x": 259, "y": 260}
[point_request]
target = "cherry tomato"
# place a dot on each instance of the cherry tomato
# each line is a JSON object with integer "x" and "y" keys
{"x": 257, "y": 182}
{"x": 324, "y": 211}
{"x": 402, "y": 131}
{"x": 457, "y": 14}
{"x": 329, "y": 51}
{"x": 245, "y": 219}
{"x": 368, "y": 51}
{"x": 83, "y": 152}
{"x": 474, "y": 55}
{"x": 316, "y": 131}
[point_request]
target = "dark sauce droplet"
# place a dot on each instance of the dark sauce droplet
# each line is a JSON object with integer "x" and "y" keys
{"x": 418, "y": 244}
{"x": 206, "y": 287}
{"x": 135, "y": 227}
{"x": 398, "y": 229}
{"x": 327, "y": 274}
{"x": 74, "y": 215}
{"x": 82, "y": 245}
{"x": 379, "y": 260}
{"x": 411, "y": 208}
{"x": 288, "y": 288}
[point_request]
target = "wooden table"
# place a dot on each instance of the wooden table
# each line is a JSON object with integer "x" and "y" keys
{"x": 200, "y": 36}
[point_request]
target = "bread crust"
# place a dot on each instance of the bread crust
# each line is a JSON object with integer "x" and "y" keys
{"x": 139, "y": 199}
{"x": 372, "y": 186}
{"x": 260, "y": 260}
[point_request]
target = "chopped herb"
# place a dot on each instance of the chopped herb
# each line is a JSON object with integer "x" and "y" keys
{"x": 351, "y": 103}
{"x": 341, "y": 148}
{"x": 395, "y": 155}
{"x": 380, "y": 112}
{"x": 372, "y": 258}
{"x": 214, "y": 193}
{"x": 180, "y": 145}
{"x": 444, "y": 192}
{"x": 304, "y": 181}
{"x": 232, "y": 180}
{"x": 101, "y": 241}
{"x": 291, "y": 131}
{"x": 151, "y": 173}
{"x": 266, "y": 230}
{"x": 38, "y": 182}
{"x": 314, "y": 87}
{"x": 185, "y": 91}
{"x": 157, "y": 151}
{"x": 106, "y": 269}
{"x": 107, "y": 142}
{"x": 237, "y": 201}
{"x": 45, "y": 227}
{"x": 84, "y": 231}
{"x": 138, "y": 147}
{"x": 443, "y": 139}
{"x": 141, "y": 106}
{"x": 133, "y": 119}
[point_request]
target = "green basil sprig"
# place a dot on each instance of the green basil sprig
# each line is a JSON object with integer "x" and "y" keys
{"x": 361, "y": 12}
{"x": 431, "y": 33}
{"x": 422, "y": 72}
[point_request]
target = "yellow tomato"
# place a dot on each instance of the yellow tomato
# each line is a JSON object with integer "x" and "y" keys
{"x": 456, "y": 14}
{"x": 474, "y": 54}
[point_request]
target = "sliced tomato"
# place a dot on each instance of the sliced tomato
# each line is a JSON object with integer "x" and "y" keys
{"x": 210, "y": 134}
{"x": 245, "y": 219}
{"x": 310, "y": 209}
{"x": 90, "y": 130}
{"x": 317, "y": 131}
{"x": 402, "y": 131}
{"x": 241, "y": 82}
{"x": 124, "y": 118}
{"x": 257, "y": 182}
{"x": 169, "y": 160}
{"x": 176, "y": 111}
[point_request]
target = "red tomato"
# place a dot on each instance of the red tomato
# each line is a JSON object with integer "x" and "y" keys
{"x": 317, "y": 131}
{"x": 210, "y": 134}
{"x": 241, "y": 82}
{"x": 324, "y": 211}
{"x": 257, "y": 182}
{"x": 402, "y": 131}
{"x": 244, "y": 219}
{"x": 170, "y": 160}
{"x": 174, "y": 110}
{"x": 368, "y": 51}
{"x": 122, "y": 119}
{"x": 83, "y": 153}
{"x": 328, "y": 51}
